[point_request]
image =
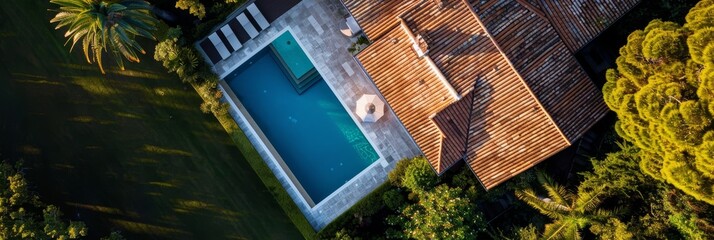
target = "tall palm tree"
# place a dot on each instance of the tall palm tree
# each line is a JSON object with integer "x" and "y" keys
{"x": 103, "y": 25}
{"x": 570, "y": 212}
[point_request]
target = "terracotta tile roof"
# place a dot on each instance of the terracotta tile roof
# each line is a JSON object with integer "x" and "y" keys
{"x": 458, "y": 45}
{"x": 509, "y": 133}
{"x": 545, "y": 63}
{"x": 579, "y": 21}
{"x": 497, "y": 86}
{"x": 409, "y": 86}
{"x": 372, "y": 14}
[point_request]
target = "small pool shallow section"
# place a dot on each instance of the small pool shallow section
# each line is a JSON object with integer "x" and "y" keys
{"x": 289, "y": 50}
{"x": 314, "y": 135}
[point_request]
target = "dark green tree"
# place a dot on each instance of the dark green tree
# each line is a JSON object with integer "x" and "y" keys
{"x": 618, "y": 173}
{"x": 23, "y": 215}
{"x": 693, "y": 219}
{"x": 443, "y": 213}
{"x": 663, "y": 93}
{"x": 106, "y": 25}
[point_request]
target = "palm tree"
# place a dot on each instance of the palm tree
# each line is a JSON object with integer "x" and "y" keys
{"x": 103, "y": 26}
{"x": 570, "y": 212}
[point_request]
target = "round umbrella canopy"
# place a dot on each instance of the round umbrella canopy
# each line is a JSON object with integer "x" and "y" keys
{"x": 370, "y": 108}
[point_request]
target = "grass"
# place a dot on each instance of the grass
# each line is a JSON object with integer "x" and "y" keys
{"x": 129, "y": 150}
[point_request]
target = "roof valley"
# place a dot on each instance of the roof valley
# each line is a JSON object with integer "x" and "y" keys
{"x": 490, "y": 82}
{"x": 510, "y": 64}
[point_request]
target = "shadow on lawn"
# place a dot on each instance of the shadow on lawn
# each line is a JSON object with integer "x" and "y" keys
{"x": 127, "y": 151}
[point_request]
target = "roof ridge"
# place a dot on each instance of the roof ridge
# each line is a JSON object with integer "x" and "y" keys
{"x": 518, "y": 74}
{"x": 534, "y": 9}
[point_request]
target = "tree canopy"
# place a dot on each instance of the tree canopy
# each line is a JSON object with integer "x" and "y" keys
{"x": 23, "y": 215}
{"x": 104, "y": 25}
{"x": 570, "y": 212}
{"x": 419, "y": 176}
{"x": 443, "y": 213}
{"x": 663, "y": 94}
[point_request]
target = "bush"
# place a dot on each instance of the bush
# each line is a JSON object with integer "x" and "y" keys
{"x": 397, "y": 174}
{"x": 419, "y": 176}
{"x": 464, "y": 179}
{"x": 443, "y": 213}
{"x": 393, "y": 199}
{"x": 352, "y": 218}
{"x": 180, "y": 59}
{"x": 369, "y": 205}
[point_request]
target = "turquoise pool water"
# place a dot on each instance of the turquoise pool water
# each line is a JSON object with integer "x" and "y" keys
{"x": 312, "y": 132}
{"x": 292, "y": 54}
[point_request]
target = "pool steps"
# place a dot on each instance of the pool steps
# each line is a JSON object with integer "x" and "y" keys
{"x": 304, "y": 82}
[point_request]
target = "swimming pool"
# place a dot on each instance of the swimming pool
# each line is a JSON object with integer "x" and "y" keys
{"x": 312, "y": 133}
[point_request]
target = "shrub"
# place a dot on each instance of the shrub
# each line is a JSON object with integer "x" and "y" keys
{"x": 369, "y": 205}
{"x": 393, "y": 199}
{"x": 179, "y": 59}
{"x": 397, "y": 174}
{"x": 194, "y": 7}
{"x": 419, "y": 176}
{"x": 464, "y": 179}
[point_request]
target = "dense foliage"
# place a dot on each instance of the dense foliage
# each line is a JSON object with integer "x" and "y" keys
{"x": 23, "y": 215}
{"x": 444, "y": 213}
{"x": 662, "y": 91}
{"x": 194, "y": 7}
{"x": 198, "y": 9}
{"x": 416, "y": 204}
{"x": 570, "y": 211}
{"x": 419, "y": 176}
{"x": 177, "y": 57}
{"x": 106, "y": 26}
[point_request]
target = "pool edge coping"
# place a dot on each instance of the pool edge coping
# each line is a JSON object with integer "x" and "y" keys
{"x": 265, "y": 143}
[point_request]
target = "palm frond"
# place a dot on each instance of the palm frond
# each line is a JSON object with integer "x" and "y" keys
{"x": 556, "y": 192}
{"x": 562, "y": 229}
{"x": 105, "y": 27}
{"x": 588, "y": 200}
{"x": 543, "y": 205}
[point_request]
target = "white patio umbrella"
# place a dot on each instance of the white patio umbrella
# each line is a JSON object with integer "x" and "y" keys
{"x": 370, "y": 108}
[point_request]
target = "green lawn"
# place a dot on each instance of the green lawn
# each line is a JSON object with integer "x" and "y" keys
{"x": 129, "y": 151}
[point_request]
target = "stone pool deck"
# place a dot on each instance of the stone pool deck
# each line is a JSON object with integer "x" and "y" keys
{"x": 316, "y": 25}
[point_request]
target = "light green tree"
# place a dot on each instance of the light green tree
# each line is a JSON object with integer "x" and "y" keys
{"x": 106, "y": 26}
{"x": 663, "y": 94}
{"x": 419, "y": 176}
{"x": 443, "y": 213}
{"x": 570, "y": 212}
{"x": 177, "y": 58}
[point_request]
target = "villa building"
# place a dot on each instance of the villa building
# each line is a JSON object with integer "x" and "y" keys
{"x": 492, "y": 82}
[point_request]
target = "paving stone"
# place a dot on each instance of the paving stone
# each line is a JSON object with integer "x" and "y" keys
{"x": 315, "y": 23}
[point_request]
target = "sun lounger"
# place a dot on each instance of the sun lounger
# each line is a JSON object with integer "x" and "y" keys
{"x": 210, "y": 50}
{"x": 232, "y": 39}
{"x": 222, "y": 50}
{"x": 258, "y": 16}
{"x": 247, "y": 25}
